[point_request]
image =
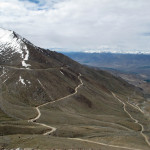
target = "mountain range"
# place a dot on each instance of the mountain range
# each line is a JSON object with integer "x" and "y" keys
{"x": 132, "y": 63}
{"x": 49, "y": 101}
{"x": 134, "y": 68}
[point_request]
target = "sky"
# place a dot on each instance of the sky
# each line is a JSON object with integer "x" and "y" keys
{"x": 80, "y": 25}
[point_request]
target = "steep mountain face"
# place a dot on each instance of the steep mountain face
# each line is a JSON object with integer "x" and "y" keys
{"x": 13, "y": 49}
{"x": 17, "y": 51}
{"x": 44, "y": 92}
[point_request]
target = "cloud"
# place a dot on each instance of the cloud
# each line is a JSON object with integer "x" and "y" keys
{"x": 32, "y": 1}
{"x": 146, "y": 34}
{"x": 79, "y": 24}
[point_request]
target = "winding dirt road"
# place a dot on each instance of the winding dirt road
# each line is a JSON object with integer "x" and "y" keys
{"x": 136, "y": 121}
{"x": 53, "y": 129}
{"x": 103, "y": 144}
{"x": 28, "y": 69}
{"x": 136, "y": 107}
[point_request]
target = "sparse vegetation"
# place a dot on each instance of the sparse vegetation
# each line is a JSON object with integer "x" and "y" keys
{"x": 92, "y": 114}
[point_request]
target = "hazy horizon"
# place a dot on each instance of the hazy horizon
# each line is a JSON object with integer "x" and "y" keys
{"x": 79, "y": 25}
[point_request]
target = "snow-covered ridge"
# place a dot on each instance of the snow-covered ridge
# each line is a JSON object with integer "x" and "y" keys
{"x": 13, "y": 42}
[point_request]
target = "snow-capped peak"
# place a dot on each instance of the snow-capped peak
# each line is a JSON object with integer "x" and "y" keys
{"x": 12, "y": 43}
{"x": 6, "y": 36}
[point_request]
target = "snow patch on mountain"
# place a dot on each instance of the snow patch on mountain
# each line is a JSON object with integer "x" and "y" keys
{"x": 28, "y": 82}
{"x": 25, "y": 58}
{"x": 61, "y": 72}
{"x": 7, "y": 40}
{"x": 4, "y": 72}
{"x": 14, "y": 43}
{"x": 21, "y": 80}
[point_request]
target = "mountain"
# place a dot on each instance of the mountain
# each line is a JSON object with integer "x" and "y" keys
{"x": 133, "y": 63}
{"x": 17, "y": 51}
{"x": 49, "y": 101}
{"x": 123, "y": 62}
{"x": 134, "y": 68}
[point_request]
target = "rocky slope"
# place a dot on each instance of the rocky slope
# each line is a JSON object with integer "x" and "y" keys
{"x": 41, "y": 89}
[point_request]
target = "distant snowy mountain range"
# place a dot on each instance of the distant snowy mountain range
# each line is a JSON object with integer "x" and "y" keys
{"x": 117, "y": 51}
{"x": 102, "y": 50}
{"x": 133, "y": 63}
{"x": 11, "y": 39}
